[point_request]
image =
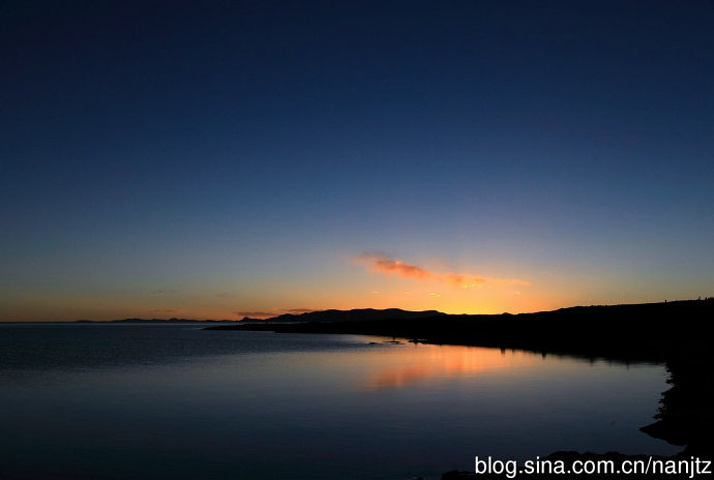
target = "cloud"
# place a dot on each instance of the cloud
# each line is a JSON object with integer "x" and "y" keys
{"x": 384, "y": 264}
{"x": 381, "y": 263}
{"x": 165, "y": 311}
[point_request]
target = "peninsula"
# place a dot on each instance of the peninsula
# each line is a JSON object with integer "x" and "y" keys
{"x": 675, "y": 333}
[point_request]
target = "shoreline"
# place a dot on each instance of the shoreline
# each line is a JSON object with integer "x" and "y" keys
{"x": 670, "y": 333}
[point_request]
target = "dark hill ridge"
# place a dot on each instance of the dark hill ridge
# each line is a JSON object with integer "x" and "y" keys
{"x": 645, "y": 332}
{"x": 364, "y": 315}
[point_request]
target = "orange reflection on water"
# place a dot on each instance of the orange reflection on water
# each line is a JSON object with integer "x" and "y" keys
{"x": 406, "y": 364}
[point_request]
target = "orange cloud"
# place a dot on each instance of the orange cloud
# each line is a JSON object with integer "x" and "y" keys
{"x": 165, "y": 311}
{"x": 381, "y": 263}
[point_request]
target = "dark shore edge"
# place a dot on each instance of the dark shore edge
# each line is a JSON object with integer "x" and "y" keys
{"x": 675, "y": 334}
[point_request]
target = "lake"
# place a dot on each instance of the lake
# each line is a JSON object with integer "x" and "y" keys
{"x": 153, "y": 401}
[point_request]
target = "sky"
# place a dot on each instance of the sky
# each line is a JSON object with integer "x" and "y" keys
{"x": 226, "y": 158}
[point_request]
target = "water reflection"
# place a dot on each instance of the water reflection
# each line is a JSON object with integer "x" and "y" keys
{"x": 407, "y": 364}
{"x": 179, "y": 403}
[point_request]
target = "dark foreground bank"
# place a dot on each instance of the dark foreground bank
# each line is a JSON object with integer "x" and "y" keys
{"x": 673, "y": 333}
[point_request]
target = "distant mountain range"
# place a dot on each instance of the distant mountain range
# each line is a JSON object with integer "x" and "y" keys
{"x": 637, "y": 331}
{"x": 157, "y": 320}
{"x": 321, "y": 316}
{"x": 359, "y": 314}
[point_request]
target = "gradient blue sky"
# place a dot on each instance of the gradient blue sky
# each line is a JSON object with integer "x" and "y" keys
{"x": 220, "y": 158}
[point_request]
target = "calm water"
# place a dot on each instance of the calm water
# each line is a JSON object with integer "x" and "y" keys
{"x": 125, "y": 401}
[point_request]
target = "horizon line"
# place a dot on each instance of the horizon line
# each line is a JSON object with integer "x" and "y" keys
{"x": 210, "y": 320}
